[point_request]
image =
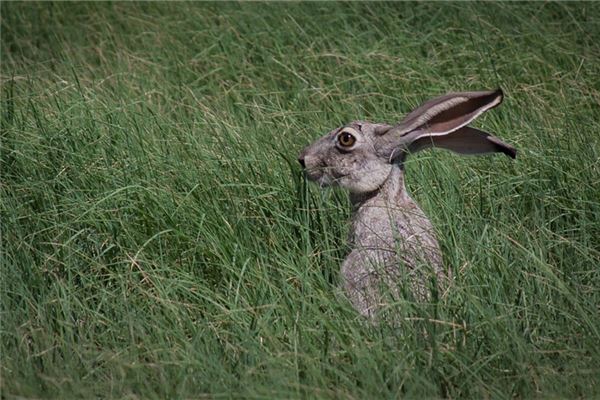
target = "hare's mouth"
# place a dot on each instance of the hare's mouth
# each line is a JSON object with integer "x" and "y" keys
{"x": 314, "y": 174}
{"x": 323, "y": 177}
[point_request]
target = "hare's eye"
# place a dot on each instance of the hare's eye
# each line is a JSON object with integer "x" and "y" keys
{"x": 346, "y": 139}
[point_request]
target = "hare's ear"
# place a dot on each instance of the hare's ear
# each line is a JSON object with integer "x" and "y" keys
{"x": 441, "y": 122}
{"x": 448, "y": 113}
{"x": 466, "y": 140}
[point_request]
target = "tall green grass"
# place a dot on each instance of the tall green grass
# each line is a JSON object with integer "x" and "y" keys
{"x": 159, "y": 241}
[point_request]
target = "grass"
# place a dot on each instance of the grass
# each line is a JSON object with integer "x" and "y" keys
{"x": 158, "y": 240}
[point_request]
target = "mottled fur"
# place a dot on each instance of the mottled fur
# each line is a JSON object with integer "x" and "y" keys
{"x": 393, "y": 243}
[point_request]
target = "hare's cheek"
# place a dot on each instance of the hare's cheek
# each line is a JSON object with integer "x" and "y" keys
{"x": 370, "y": 177}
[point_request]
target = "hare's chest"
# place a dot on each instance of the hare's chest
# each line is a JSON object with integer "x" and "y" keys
{"x": 389, "y": 226}
{"x": 379, "y": 227}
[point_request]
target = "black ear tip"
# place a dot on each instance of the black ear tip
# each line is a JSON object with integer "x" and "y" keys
{"x": 499, "y": 93}
{"x": 510, "y": 151}
{"x": 502, "y": 147}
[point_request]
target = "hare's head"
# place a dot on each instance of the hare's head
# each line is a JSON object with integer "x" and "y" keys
{"x": 359, "y": 156}
{"x": 348, "y": 157}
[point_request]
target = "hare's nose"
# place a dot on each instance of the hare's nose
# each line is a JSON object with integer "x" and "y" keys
{"x": 301, "y": 161}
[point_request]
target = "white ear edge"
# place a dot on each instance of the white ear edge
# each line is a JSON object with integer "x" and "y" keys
{"x": 446, "y": 106}
{"x": 433, "y": 111}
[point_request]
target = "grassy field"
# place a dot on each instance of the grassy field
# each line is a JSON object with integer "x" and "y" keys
{"x": 159, "y": 240}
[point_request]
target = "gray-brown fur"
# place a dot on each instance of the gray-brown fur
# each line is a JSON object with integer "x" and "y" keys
{"x": 393, "y": 243}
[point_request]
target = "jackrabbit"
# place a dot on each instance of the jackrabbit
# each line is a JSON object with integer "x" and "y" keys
{"x": 393, "y": 242}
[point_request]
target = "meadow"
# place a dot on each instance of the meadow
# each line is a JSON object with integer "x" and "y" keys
{"x": 158, "y": 239}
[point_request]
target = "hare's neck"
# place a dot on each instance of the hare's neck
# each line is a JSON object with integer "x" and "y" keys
{"x": 392, "y": 191}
